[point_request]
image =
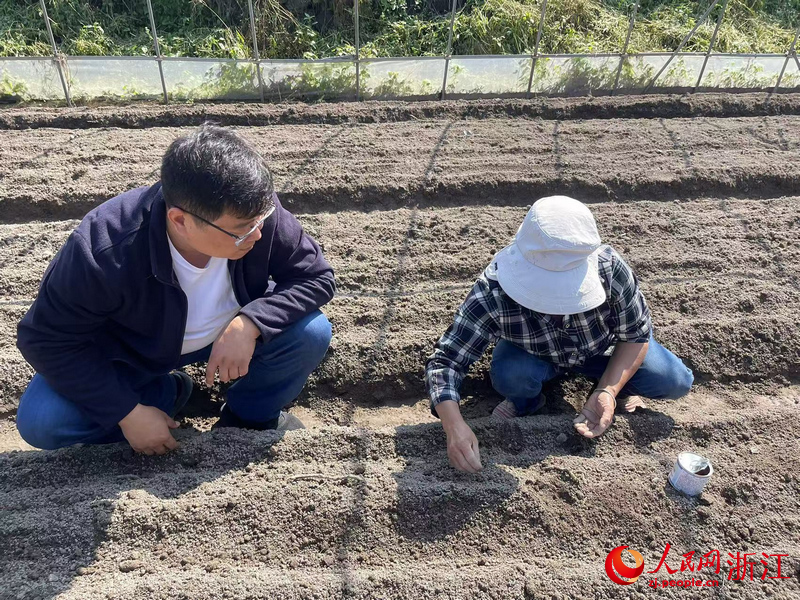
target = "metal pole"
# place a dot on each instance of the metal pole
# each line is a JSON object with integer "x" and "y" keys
{"x": 711, "y": 44}
{"x": 535, "y": 56}
{"x": 625, "y": 48}
{"x": 358, "y": 51}
{"x": 449, "y": 49}
{"x": 255, "y": 48}
{"x": 786, "y": 62}
{"x": 59, "y": 66}
{"x": 158, "y": 50}
{"x": 683, "y": 43}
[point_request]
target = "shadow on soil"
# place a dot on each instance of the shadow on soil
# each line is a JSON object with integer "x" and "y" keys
{"x": 56, "y": 507}
{"x": 435, "y": 501}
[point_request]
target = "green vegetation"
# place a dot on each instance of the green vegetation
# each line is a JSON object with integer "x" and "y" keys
{"x": 324, "y": 28}
{"x": 11, "y": 88}
{"x": 313, "y": 29}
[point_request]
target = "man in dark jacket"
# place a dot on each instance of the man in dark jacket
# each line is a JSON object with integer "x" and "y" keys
{"x": 162, "y": 277}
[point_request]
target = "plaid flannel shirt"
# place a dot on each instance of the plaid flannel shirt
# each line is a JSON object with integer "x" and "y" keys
{"x": 488, "y": 315}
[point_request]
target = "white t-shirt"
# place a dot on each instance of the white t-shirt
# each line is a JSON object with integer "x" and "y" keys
{"x": 212, "y": 303}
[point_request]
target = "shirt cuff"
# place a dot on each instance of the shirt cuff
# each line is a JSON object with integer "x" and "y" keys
{"x": 435, "y": 403}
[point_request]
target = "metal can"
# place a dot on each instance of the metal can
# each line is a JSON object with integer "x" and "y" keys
{"x": 690, "y": 473}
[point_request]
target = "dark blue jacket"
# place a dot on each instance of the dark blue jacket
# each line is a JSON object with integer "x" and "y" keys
{"x": 110, "y": 308}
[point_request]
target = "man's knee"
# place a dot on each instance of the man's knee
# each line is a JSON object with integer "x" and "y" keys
{"x": 48, "y": 421}
{"x": 33, "y": 425}
{"x": 316, "y": 338}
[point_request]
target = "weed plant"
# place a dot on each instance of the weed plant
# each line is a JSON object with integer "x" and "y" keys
{"x": 324, "y": 28}
{"x": 313, "y": 29}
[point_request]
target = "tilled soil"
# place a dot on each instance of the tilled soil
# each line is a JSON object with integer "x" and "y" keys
{"x": 721, "y": 277}
{"x": 363, "y": 504}
{"x": 62, "y": 173}
{"x": 250, "y": 114}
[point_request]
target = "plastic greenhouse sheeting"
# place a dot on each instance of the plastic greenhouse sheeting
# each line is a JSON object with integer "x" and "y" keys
{"x": 114, "y": 78}
{"x": 574, "y": 75}
{"x": 733, "y": 71}
{"x": 211, "y": 79}
{"x": 418, "y": 78}
{"x": 325, "y": 79}
{"x": 480, "y": 76}
{"x": 30, "y": 79}
{"x": 128, "y": 78}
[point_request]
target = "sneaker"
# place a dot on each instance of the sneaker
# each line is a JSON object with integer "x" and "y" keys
{"x": 505, "y": 410}
{"x": 185, "y": 385}
{"x": 508, "y": 410}
{"x": 284, "y": 422}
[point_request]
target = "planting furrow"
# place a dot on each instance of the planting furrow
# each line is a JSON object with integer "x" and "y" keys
{"x": 376, "y": 504}
{"x": 139, "y": 116}
{"x": 721, "y": 277}
{"x": 61, "y": 173}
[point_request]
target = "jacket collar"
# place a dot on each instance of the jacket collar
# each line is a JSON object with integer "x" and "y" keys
{"x": 160, "y": 257}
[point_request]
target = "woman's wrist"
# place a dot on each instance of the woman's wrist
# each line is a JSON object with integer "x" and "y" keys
{"x": 449, "y": 414}
{"x": 608, "y": 390}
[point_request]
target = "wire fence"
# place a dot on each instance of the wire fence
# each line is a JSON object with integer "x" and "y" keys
{"x": 178, "y": 79}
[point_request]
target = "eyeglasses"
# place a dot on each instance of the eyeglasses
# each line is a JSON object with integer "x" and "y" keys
{"x": 237, "y": 239}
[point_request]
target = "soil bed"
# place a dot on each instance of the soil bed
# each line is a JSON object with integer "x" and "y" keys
{"x": 409, "y": 209}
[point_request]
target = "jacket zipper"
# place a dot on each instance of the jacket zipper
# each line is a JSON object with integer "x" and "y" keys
{"x": 185, "y": 306}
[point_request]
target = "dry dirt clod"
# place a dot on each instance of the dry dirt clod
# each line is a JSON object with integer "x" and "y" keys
{"x": 126, "y": 566}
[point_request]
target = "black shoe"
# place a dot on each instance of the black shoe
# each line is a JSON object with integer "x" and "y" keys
{"x": 283, "y": 422}
{"x": 185, "y": 386}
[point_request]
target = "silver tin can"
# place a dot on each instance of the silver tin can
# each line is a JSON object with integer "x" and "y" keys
{"x": 690, "y": 473}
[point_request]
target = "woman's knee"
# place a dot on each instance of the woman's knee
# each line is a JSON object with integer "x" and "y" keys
{"x": 682, "y": 383}
{"x": 668, "y": 386}
{"x": 662, "y": 376}
{"x": 513, "y": 372}
{"x": 502, "y": 378}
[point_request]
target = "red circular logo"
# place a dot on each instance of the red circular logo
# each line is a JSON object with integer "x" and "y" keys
{"x": 618, "y": 571}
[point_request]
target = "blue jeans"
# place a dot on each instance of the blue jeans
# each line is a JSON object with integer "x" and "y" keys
{"x": 519, "y": 375}
{"x": 278, "y": 371}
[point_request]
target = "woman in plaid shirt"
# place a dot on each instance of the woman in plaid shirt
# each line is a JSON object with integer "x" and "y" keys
{"x": 555, "y": 300}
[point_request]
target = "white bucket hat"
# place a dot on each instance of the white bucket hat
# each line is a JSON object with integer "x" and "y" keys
{"x": 551, "y": 266}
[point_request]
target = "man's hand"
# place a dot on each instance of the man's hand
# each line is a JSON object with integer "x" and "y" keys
{"x": 597, "y": 414}
{"x": 462, "y": 445}
{"x": 232, "y": 351}
{"x": 147, "y": 430}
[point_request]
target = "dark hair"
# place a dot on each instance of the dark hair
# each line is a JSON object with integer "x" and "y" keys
{"x": 212, "y": 171}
